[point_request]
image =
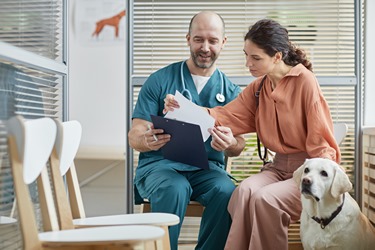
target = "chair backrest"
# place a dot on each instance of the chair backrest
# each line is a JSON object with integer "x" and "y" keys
{"x": 339, "y": 131}
{"x": 67, "y": 143}
{"x": 30, "y": 144}
{"x": 62, "y": 163}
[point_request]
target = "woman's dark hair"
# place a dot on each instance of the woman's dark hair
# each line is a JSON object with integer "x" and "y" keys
{"x": 270, "y": 36}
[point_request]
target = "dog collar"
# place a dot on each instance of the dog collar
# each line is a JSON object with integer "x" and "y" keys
{"x": 325, "y": 221}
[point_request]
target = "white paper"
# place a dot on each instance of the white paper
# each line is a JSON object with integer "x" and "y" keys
{"x": 192, "y": 113}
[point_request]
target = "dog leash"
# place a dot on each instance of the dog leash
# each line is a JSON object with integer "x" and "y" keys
{"x": 324, "y": 222}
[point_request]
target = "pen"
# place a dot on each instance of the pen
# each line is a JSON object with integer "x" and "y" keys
{"x": 149, "y": 128}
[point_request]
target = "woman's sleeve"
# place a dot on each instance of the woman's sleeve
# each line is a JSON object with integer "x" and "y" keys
{"x": 238, "y": 114}
{"x": 320, "y": 140}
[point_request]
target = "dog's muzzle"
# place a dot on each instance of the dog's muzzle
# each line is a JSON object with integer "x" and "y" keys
{"x": 306, "y": 188}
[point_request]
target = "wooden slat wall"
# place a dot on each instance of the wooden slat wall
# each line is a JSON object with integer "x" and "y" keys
{"x": 368, "y": 174}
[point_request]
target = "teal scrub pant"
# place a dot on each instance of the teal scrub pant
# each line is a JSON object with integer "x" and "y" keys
{"x": 170, "y": 191}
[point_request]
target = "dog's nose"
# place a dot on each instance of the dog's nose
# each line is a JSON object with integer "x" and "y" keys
{"x": 306, "y": 181}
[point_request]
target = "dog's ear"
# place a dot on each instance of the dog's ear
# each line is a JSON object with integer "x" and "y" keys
{"x": 340, "y": 183}
{"x": 298, "y": 174}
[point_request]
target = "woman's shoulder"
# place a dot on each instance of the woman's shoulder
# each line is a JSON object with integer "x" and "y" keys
{"x": 304, "y": 77}
{"x": 255, "y": 84}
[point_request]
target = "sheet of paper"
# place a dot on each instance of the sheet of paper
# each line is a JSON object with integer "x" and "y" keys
{"x": 192, "y": 113}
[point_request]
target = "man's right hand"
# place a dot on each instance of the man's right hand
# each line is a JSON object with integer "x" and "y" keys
{"x": 144, "y": 137}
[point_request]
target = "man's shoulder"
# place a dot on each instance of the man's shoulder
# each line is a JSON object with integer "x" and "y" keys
{"x": 162, "y": 75}
{"x": 231, "y": 86}
{"x": 173, "y": 67}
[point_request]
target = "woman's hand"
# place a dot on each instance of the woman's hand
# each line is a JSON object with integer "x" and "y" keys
{"x": 170, "y": 103}
{"x": 222, "y": 138}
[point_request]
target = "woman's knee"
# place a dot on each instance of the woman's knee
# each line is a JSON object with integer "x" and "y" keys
{"x": 263, "y": 199}
{"x": 245, "y": 188}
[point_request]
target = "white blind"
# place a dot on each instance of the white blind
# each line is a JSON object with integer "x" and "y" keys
{"x": 34, "y": 25}
{"x": 324, "y": 28}
{"x": 32, "y": 82}
{"x": 29, "y": 92}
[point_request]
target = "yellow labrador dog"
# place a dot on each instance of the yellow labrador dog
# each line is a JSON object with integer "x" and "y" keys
{"x": 331, "y": 218}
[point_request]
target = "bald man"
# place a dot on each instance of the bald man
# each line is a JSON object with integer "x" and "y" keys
{"x": 170, "y": 185}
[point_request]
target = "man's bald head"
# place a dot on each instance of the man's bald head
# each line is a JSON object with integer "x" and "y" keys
{"x": 205, "y": 16}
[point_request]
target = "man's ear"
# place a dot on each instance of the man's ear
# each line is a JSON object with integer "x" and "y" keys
{"x": 340, "y": 183}
{"x": 224, "y": 42}
{"x": 188, "y": 39}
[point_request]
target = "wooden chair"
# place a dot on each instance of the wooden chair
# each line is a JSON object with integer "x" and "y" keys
{"x": 73, "y": 215}
{"x": 30, "y": 145}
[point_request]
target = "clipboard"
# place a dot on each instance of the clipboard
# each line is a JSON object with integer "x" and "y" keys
{"x": 186, "y": 144}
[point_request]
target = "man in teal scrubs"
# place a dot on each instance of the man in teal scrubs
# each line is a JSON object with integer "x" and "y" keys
{"x": 169, "y": 185}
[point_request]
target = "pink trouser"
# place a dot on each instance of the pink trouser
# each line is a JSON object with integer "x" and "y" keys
{"x": 263, "y": 205}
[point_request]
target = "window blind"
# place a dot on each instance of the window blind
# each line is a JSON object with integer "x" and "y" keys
{"x": 32, "y": 80}
{"x": 324, "y": 28}
{"x": 33, "y": 25}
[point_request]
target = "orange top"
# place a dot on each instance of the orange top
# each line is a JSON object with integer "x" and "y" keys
{"x": 292, "y": 118}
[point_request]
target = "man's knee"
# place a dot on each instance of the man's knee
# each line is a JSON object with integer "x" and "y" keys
{"x": 227, "y": 189}
{"x": 222, "y": 191}
{"x": 172, "y": 192}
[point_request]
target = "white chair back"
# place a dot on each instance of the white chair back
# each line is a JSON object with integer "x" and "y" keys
{"x": 35, "y": 140}
{"x": 340, "y": 130}
{"x": 67, "y": 143}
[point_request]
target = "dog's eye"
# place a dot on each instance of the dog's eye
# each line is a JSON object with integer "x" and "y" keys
{"x": 307, "y": 170}
{"x": 324, "y": 173}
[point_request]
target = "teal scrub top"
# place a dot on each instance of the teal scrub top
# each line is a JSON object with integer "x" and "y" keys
{"x": 151, "y": 102}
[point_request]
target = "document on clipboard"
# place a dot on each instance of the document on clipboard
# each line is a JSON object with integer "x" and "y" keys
{"x": 192, "y": 113}
{"x": 186, "y": 144}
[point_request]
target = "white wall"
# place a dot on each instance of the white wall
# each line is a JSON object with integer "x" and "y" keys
{"x": 97, "y": 99}
{"x": 97, "y": 78}
{"x": 369, "y": 101}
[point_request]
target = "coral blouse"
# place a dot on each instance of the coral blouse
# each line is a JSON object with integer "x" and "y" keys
{"x": 292, "y": 118}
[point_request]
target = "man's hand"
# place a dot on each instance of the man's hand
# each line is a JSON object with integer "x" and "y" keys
{"x": 144, "y": 137}
{"x": 170, "y": 103}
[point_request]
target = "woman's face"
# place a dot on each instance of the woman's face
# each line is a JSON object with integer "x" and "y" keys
{"x": 258, "y": 62}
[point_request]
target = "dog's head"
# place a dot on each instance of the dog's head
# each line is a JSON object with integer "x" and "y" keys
{"x": 319, "y": 177}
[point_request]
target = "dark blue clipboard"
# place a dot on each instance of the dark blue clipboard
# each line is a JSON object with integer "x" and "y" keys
{"x": 186, "y": 144}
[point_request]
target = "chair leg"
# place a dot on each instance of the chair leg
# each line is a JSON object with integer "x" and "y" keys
{"x": 142, "y": 209}
{"x": 166, "y": 242}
